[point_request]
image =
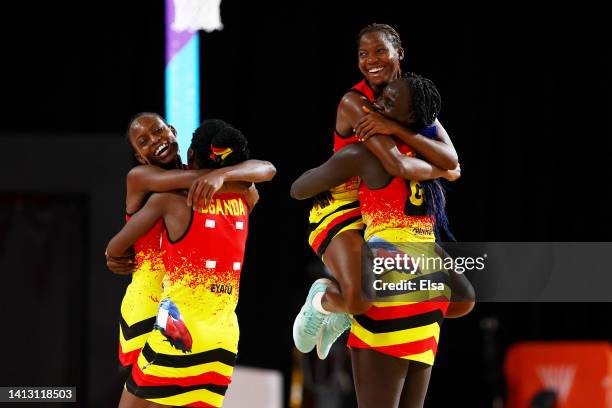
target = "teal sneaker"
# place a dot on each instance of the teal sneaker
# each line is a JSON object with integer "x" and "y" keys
{"x": 308, "y": 322}
{"x": 333, "y": 327}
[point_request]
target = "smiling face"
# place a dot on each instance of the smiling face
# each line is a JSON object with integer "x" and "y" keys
{"x": 395, "y": 102}
{"x": 379, "y": 59}
{"x": 154, "y": 142}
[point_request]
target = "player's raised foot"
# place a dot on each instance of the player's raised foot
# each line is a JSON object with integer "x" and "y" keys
{"x": 308, "y": 322}
{"x": 333, "y": 327}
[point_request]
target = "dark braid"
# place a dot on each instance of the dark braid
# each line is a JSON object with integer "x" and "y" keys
{"x": 389, "y": 32}
{"x": 435, "y": 199}
{"x": 426, "y": 100}
{"x": 426, "y": 105}
{"x": 178, "y": 164}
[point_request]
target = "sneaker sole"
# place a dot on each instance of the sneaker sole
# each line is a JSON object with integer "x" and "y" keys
{"x": 319, "y": 338}
{"x": 318, "y": 281}
{"x": 294, "y": 331}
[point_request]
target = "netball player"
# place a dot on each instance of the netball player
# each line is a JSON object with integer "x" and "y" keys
{"x": 189, "y": 357}
{"x": 393, "y": 345}
{"x": 158, "y": 168}
{"x": 335, "y": 220}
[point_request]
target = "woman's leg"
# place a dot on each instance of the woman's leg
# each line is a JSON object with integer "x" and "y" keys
{"x": 415, "y": 385}
{"x": 343, "y": 256}
{"x": 379, "y": 378}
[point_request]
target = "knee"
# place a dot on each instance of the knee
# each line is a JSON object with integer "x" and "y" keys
{"x": 463, "y": 291}
{"x": 467, "y": 295}
{"x": 459, "y": 309}
{"x": 462, "y": 302}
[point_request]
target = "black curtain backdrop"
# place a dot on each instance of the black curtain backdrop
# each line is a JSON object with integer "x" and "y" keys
{"x": 57, "y": 216}
{"x": 43, "y": 254}
{"x": 526, "y": 100}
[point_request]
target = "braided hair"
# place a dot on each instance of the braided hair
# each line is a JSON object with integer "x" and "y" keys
{"x": 426, "y": 100}
{"x": 178, "y": 164}
{"x": 426, "y": 105}
{"x": 216, "y": 144}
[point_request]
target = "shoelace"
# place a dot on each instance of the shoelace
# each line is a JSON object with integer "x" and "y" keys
{"x": 341, "y": 324}
{"x": 314, "y": 323}
{"x": 337, "y": 327}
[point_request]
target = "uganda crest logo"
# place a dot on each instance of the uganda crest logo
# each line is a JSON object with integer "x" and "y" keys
{"x": 170, "y": 323}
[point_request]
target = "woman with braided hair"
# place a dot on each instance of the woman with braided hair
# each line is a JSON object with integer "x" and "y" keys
{"x": 157, "y": 167}
{"x": 394, "y": 343}
{"x": 190, "y": 352}
{"x": 335, "y": 219}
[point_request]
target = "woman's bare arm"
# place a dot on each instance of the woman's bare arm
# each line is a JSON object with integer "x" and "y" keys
{"x": 252, "y": 171}
{"x": 350, "y": 111}
{"x": 138, "y": 225}
{"x": 440, "y": 152}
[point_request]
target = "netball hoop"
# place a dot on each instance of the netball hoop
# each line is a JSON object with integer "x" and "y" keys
{"x": 194, "y": 15}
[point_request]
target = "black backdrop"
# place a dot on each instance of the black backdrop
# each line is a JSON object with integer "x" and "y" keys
{"x": 526, "y": 99}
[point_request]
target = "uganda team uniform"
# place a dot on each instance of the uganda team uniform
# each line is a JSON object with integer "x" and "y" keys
{"x": 142, "y": 296}
{"x": 190, "y": 355}
{"x": 342, "y": 213}
{"x": 403, "y": 324}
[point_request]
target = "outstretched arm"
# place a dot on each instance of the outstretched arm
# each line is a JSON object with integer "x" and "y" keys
{"x": 440, "y": 152}
{"x": 350, "y": 111}
{"x": 149, "y": 178}
{"x": 144, "y": 179}
{"x": 252, "y": 171}
{"x": 339, "y": 168}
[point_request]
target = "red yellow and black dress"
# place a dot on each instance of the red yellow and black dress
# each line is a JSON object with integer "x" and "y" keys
{"x": 141, "y": 299}
{"x": 190, "y": 355}
{"x": 402, "y": 323}
{"x": 342, "y": 213}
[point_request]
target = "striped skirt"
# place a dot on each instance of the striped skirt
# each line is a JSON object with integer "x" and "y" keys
{"x": 405, "y": 319}
{"x": 327, "y": 222}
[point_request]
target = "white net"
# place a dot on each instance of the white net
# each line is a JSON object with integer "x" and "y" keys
{"x": 194, "y": 15}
